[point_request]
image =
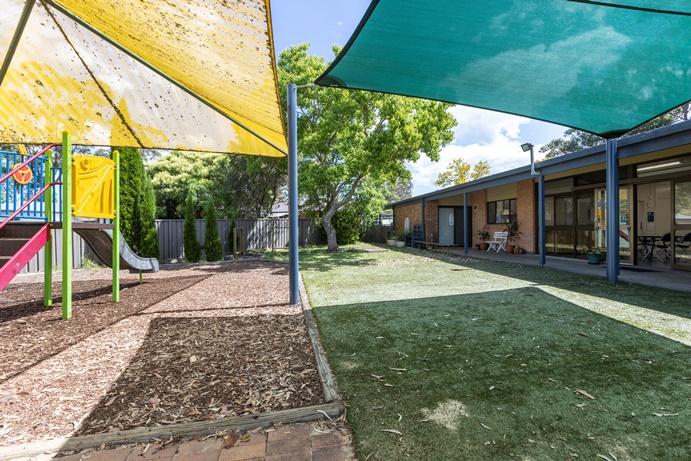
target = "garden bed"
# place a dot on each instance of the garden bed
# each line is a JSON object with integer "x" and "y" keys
{"x": 190, "y": 344}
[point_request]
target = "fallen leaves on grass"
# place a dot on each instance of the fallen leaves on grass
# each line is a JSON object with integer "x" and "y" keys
{"x": 392, "y": 431}
{"x": 585, "y": 394}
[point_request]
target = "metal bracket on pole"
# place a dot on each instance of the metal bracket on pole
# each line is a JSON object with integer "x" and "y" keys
{"x": 612, "y": 191}
{"x": 294, "y": 274}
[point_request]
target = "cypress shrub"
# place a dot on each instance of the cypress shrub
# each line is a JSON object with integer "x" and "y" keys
{"x": 212, "y": 244}
{"x": 192, "y": 249}
{"x": 149, "y": 244}
{"x": 131, "y": 174}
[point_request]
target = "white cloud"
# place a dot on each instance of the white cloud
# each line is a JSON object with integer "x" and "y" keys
{"x": 483, "y": 135}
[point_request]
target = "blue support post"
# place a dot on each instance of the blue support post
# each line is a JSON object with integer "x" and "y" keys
{"x": 294, "y": 275}
{"x": 542, "y": 250}
{"x": 466, "y": 224}
{"x": 612, "y": 161}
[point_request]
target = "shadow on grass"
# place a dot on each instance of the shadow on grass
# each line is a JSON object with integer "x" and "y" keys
{"x": 512, "y": 362}
{"x": 191, "y": 369}
{"x": 658, "y": 299}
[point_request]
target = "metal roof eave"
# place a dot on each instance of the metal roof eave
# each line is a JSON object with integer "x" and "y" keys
{"x": 666, "y": 137}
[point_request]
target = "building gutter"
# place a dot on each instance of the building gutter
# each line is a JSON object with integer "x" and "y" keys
{"x": 667, "y": 137}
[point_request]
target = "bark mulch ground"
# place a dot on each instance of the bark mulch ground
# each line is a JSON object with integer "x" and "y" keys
{"x": 192, "y": 343}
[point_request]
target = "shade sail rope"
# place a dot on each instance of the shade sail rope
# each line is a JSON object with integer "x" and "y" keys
{"x": 93, "y": 77}
{"x": 632, "y": 7}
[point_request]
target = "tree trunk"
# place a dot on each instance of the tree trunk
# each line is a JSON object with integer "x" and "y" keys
{"x": 331, "y": 241}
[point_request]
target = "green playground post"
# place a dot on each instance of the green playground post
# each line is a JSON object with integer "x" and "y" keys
{"x": 116, "y": 228}
{"x": 48, "y": 248}
{"x": 66, "y": 226}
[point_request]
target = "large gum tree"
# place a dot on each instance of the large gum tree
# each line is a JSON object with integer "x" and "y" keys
{"x": 350, "y": 140}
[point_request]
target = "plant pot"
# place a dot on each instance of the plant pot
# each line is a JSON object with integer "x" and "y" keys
{"x": 483, "y": 246}
{"x": 594, "y": 259}
{"x": 400, "y": 243}
{"x": 509, "y": 248}
{"x": 390, "y": 242}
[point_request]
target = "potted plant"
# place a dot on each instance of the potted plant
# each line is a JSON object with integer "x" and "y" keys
{"x": 511, "y": 229}
{"x": 595, "y": 255}
{"x": 484, "y": 236}
{"x": 391, "y": 240}
{"x": 400, "y": 240}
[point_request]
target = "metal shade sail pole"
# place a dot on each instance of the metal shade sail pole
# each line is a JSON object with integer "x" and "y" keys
{"x": 542, "y": 251}
{"x": 466, "y": 224}
{"x": 66, "y": 227}
{"x": 115, "y": 259}
{"x": 294, "y": 275}
{"x": 612, "y": 184}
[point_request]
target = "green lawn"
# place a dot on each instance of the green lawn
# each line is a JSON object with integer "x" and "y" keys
{"x": 480, "y": 360}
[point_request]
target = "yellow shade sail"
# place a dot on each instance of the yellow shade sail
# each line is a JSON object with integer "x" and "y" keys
{"x": 195, "y": 75}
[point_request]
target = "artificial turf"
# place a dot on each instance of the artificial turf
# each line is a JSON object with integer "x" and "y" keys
{"x": 482, "y": 360}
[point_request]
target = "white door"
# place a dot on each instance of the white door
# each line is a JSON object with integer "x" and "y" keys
{"x": 446, "y": 226}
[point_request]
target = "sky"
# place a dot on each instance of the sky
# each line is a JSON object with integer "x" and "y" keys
{"x": 480, "y": 134}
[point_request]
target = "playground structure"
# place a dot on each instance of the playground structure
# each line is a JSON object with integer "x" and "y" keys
{"x": 89, "y": 189}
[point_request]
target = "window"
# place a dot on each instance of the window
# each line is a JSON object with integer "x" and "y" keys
{"x": 501, "y": 211}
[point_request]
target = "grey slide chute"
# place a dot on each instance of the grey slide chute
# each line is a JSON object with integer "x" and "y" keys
{"x": 101, "y": 242}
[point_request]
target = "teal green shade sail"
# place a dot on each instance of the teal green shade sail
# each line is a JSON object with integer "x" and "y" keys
{"x": 599, "y": 68}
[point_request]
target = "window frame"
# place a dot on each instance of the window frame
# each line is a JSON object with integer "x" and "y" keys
{"x": 513, "y": 211}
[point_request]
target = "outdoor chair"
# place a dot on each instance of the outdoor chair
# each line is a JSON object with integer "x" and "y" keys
{"x": 498, "y": 242}
{"x": 664, "y": 248}
{"x": 684, "y": 243}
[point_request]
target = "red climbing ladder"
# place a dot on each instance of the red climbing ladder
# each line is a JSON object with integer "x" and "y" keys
{"x": 21, "y": 241}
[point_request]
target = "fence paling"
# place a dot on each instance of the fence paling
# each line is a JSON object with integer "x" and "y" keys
{"x": 253, "y": 234}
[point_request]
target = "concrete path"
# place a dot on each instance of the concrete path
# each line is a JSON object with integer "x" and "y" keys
{"x": 655, "y": 277}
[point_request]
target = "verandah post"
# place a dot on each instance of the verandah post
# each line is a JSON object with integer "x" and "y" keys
{"x": 116, "y": 228}
{"x": 612, "y": 191}
{"x": 48, "y": 248}
{"x": 66, "y": 226}
{"x": 466, "y": 224}
{"x": 541, "y": 220}
{"x": 294, "y": 274}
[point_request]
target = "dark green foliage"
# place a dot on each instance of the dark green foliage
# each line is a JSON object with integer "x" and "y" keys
{"x": 149, "y": 244}
{"x": 131, "y": 174}
{"x": 192, "y": 250}
{"x": 137, "y": 204}
{"x": 347, "y": 224}
{"x": 212, "y": 244}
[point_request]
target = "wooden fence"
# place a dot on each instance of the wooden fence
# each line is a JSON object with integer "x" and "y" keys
{"x": 378, "y": 233}
{"x": 253, "y": 234}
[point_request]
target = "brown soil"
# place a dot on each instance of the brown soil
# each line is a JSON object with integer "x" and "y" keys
{"x": 194, "y": 343}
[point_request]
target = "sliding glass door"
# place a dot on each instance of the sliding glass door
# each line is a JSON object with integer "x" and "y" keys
{"x": 626, "y": 243}
{"x": 681, "y": 245}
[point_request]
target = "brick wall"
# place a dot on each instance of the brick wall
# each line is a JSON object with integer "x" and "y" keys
{"x": 432, "y": 221}
{"x": 527, "y": 210}
{"x": 409, "y": 210}
{"x": 478, "y": 202}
